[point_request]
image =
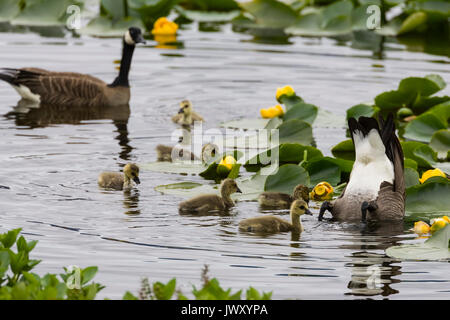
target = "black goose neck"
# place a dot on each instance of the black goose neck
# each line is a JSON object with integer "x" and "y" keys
{"x": 125, "y": 63}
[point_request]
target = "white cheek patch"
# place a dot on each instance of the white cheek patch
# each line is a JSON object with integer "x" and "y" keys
{"x": 128, "y": 39}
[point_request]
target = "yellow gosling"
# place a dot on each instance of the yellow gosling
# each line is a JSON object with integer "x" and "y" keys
{"x": 273, "y": 224}
{"x": 120, "y": 181}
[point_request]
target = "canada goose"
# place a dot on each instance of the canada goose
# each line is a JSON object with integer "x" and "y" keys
{"x": 376, "y": 190}
{"x": 212, "y": 202}
{"x": 283, "y": 200}
{"x": 165, "y": 153}
{"x": 272, "y": 224}
{"x": 119, "y": 181}
{"x": 186, "y": 115}
{"x": 75, "y": 89}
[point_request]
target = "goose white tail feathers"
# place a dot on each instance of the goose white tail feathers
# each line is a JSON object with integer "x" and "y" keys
{"x": 378, "y": 155}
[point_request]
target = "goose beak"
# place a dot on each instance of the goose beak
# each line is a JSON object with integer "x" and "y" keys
{"x": 140, "y": 39}
{"x": 308, "y": 212}
{"x": 136, "y": 179}
{"x": 238, "y": 190}
{"x": 181, "y": 110}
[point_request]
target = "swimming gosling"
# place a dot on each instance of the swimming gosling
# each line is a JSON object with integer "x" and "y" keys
{"x": 273, "y": 224}
{"x": 76, "y": 89}
{"x": 283, "y": 200}
{"x": 120, "y": 181}
{"x": 186, "y": 115}
{"x": 376, "y": 190}
{"x": 212, "y": 202}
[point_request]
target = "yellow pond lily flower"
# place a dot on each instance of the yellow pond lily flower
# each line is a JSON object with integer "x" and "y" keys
{"x": 431, "y": 173}
{"x": 228, "y": 162}
{"x": 438, "y": 224}
{"x": 272, "y": 112}
{"x": 287, "y": 90}
{"x": 164, "y": 26}
{"x": 322, "y": 191}
{"x": 421, "y": 227}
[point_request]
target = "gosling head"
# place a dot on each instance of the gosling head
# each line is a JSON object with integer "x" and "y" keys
{"x": 133, "y": 36}
{"x": 229, "y": 186}
{"x": 185, "y": 107}
{"x": 131, "y": 171}
{"x": 301, "y": 192}
{"x": 299, "y": 208}
{"x": 209, "y": 152}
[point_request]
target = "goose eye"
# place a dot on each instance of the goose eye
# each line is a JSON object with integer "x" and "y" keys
{"x": 302, "y": 207}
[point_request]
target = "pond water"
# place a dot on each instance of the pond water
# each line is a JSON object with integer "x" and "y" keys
{"x": 51, "y": 158}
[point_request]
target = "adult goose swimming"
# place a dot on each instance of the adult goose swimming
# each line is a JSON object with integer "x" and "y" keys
{"x": 376, "y": 189}
{"x": 75, "y": 89}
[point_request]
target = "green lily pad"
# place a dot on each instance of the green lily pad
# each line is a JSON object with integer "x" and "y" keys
{"x": 104, "y": 27}
{"x": 43, "y": 13}
{"x": 270, "y": 13}
{"x": 411, "y": 91}
{"x": 360, "y": 110}
{"x": 186, "y": 189}
{"x": 414, "y": 21}
{"x": 295, "y": 131}
{"x": 423, "y": 127}
{"x": 287, "y": 153}
{"x": 246, "y": 124}
{"x": 290, "y": 101}
{"x": 410, "y": 163}
{"x": 323, "y": 170}
{"x": 302, "y": 111}
{"x": 286, "y": 178}
{"x": 181, "y": 167}
{"x": 9, "y": 9}
{"x": 440, "y": 142}
{"x": 428, "y": 200}
{"x": 207, "y": 16}
{"x": 411, "y": 177}
{"x": 435, "y": 248}
{"x": 212, "y": 5}
{"x": 420, "y": 153}
{"x": 150, "y": 10}
{"x": 344, "y": 150}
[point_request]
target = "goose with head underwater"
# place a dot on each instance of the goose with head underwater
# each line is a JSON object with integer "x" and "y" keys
{"x": 212, "y": 202}
{"x": 75, "y": 89}
{"x": 376, "y": 189}
{"x": 186, "y": 115}
{"x": 120, "y": 181}
{"x": 273, "y": 224}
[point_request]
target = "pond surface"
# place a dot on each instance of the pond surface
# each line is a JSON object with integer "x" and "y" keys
{"x": 51, "y": 158}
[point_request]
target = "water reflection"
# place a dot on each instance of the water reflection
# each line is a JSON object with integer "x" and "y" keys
{"x": 372, "y": 273}
{"x": 131, "y": 202}
{"x": 33, "y": 115}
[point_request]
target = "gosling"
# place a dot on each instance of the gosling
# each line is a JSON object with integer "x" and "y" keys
{"x": 119, "y": 181}
{"x": 283, "y": 200}
{"x": 272, "y": 224}
{"x": 186, "y": 115}
{"x": 212, "y": 202}
{"x": 164, "y": 153}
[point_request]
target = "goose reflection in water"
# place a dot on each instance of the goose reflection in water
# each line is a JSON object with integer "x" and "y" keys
{"x": 34, "y": 115}
{"x": 372, "y": 274}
